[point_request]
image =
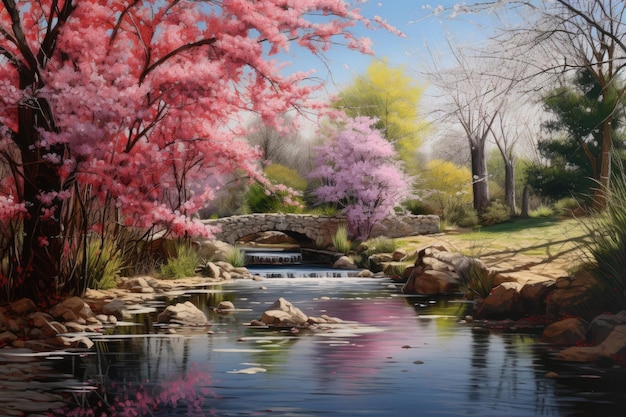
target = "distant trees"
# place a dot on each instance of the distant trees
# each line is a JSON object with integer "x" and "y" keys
{"x": 390, "y": 96}
{"x": 357, "y": 171}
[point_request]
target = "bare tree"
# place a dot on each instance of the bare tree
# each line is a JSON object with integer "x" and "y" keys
{"x": 473, "y": 97}
{"x": 561, "y": 36}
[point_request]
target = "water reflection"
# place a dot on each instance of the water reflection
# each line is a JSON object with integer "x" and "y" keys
{"x": 393, "y": 356}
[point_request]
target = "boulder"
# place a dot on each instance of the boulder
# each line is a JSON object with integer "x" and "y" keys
{"x": 504, "y": 301}
{"x": 534, "y": 295}
{"x": 613, "y": 347}
{"x": 23, "y": 306}
{"x": 184, "y": 314}
{"x": 431, "y": 282}
{"x": 284, "y": 314}
{"x": 225, "y": 307}
{"x": 602, "y": 326}
{"x": 436, "y": 271}
{"x": 71, "y": 309}
{"x": 344, "y": 262}
{"x": 138, "y": 285}
{"x": 569, "y": 295}
{"x": 568, "y": 332}
{"x": 116, "y": 308}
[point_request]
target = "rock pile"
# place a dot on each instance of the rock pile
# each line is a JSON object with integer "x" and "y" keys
{"x": 436, "y": 270}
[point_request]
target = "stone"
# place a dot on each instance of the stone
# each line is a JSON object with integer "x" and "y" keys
{"x": 398, "y": 255}
{"x": 71, "y": 309}
{"x": 344, "y": 262}
{"x": 7, "y": 338}
{"x": 284, "y": 314}
{"x": 568, "y": 332}
{"x": 504, "y": 301}
{"x": 365, "y": 273}
{"x": 613, "y": 346}
{"x": 211, "y": 270}
{"x": 602, "y": 326}
{"x": 569, "y": 295}
{"x": 116, "y": 308}
{"x": 23, "y": 306}
{"x": 225, "y": 306}
{"x": 53, "y": 328}
{"x": 431, "y": 282}
{"x": 534, "y": 295}
{"x": 184, "y": 314}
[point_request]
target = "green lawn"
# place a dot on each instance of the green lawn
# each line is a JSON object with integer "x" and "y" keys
{"x": 531, "y": 236}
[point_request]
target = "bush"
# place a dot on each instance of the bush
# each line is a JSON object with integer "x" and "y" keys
{"x": 495, "y": 213}
{"x": 381, "y": 245}
{"x": 340, "y": 240}
{"x": 541, "y": 211}
{"x": 417, "y": 207}
{"x": 183, "y": 265}
{"x": 469, "y": 218}
{"x": 566, "y": 206}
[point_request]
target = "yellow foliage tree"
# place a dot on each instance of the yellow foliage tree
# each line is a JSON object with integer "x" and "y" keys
{"x": 449, "y": 188}
{"x": 391, "y": 96}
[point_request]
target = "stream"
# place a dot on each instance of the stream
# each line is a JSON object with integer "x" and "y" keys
{"x": 393, "y": 355}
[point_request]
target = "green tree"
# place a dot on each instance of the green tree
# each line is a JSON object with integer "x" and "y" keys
{"x": 391, "y": 96}
{"x": 574, "y": 152}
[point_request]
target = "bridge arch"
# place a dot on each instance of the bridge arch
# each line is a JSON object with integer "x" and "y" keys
{"x": 318, "y": 229}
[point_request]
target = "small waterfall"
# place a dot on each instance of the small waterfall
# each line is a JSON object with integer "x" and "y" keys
{"x": 272, "y": 258}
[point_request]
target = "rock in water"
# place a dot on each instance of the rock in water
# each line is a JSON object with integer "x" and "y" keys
{"x": 284, "y": 314}
{"x": 185, "y": 314}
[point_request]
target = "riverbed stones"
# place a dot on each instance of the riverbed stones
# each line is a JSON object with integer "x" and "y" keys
{"x": 23, "y": 306}
{"x": 184, "y": 314}
{"x": 568, "y": 332}
{"x": 613, "y": 347}
{"x": 504, "y": 301}
{"x": 436, "y": 271}
{"x": 284, "y": 314}
{"x": 602, "y": 326}
{"x": 344, "y": 262}
{"x": 569, "y": 294}
{"x": 72, "y": 309}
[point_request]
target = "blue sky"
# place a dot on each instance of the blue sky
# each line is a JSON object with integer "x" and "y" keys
{"x": 410, "y": 17}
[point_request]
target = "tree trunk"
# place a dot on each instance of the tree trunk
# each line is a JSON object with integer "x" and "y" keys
{"x": 509, "y": 185}
{"x": 480, "y": 178}
{"x": 42, "y": 242}
{"x": 525, "y": 202}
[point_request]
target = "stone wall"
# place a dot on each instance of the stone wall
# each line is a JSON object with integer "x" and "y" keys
{"x": 318, "y": 229}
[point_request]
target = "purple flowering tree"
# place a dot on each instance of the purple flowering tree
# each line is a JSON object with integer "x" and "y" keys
{"x": 358, "y": 171}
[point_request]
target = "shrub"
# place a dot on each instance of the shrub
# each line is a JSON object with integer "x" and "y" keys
{"x": 469, "y": 218}
{"x": 381, "y": 245}
{"x": 495, "y": 213}
{"x": 542, "y": 211}
{"x": 340, "y": 240}
{"x": 183, "y": 264}
{"x": 566, "y": 206}
{"x": 417, "y": 207}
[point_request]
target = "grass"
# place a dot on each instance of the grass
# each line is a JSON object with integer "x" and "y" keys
{"x": 183, "y": 265}
{"x": 340, "y": 240}
{"x": 531, "y": 236}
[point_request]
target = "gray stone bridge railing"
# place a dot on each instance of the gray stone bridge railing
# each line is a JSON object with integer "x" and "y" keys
{"x": 317, "y": 229}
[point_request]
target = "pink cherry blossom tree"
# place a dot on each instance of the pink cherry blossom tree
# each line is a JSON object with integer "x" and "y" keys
{"x": 126, "y": 113}
{"x": 358, "y": 171}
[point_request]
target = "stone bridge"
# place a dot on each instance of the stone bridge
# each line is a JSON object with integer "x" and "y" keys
{"x": 313, "y": 230}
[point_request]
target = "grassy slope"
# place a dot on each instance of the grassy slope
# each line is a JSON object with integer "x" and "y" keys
{"x": 540, "y": 237}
